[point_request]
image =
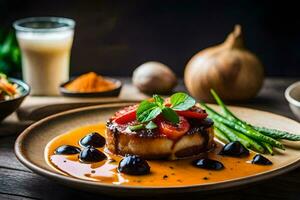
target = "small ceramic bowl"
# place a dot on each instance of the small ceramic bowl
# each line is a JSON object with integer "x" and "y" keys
{"x": 292, "y": 94}
{"x": 9, "y": 106}
{"x": 110, "y": 93}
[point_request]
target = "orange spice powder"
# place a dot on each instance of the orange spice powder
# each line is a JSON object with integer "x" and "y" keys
{"x": 90, "y": 82}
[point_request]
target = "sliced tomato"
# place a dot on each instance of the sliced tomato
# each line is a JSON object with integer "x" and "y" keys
{"x": 174, "y": 131}
{"x": 192, "y": 114}
{"x": 167, "y": 102}
{"x": 125, "y": 115}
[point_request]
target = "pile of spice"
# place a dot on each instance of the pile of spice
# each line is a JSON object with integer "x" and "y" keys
{"x": 90, "y": 82}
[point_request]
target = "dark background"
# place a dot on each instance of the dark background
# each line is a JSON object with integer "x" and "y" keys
{"x": 114, "y": 37}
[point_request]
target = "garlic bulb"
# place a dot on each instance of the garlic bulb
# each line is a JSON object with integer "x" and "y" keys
{"x": 154, "y": 77}
{"x": 229, "y": 68}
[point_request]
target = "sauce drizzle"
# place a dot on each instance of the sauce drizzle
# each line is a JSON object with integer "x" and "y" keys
{"x": 163, "y": 173}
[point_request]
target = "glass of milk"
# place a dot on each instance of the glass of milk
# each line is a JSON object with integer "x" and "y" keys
{"x": 45, "y": 44}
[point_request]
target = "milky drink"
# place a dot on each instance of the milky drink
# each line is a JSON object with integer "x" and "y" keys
{"x": 45, "y": 46}
{"x": 45, "y": 60}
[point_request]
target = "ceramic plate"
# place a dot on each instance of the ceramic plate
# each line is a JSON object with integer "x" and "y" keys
{"x": 30, "y": 146}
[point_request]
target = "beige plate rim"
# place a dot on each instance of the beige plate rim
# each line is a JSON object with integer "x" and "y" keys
{"x": 197, "y": 187}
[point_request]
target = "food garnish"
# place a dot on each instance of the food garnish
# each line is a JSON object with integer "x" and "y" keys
{"x": 67, "y": 150}
{"x": 88, "y": 153}
{"x": 133, "y": 165}
{"x": 93, "y": 139}
{"x": 7, "y": 90}
{"x": 179, "y": 104}
{"x": 229, "y": 127}
{"x": 90, "y": 82}
{"x": 174, "y": 131}
{"x": 261, "y": 160}
{"x": 151, "y": 125}
{"x": 125, "y": 115}
{"x": 148, "y": 111}
{"x": 91, "y": 154}
{"x": 234, "y": 149}
{"x": 207, "y": 163}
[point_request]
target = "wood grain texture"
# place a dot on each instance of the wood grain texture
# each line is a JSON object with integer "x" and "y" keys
{"x": 17, "y": 182}
{"x": 13, "y": 197}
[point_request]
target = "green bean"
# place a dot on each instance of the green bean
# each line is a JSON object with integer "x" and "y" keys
{"x": 220, "y": 135}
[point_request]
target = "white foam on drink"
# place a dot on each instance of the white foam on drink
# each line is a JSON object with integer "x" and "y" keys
{"x": 45, "y": 36}
{"x": 45, "y": 41}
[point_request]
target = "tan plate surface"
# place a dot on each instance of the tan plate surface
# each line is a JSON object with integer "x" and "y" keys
{"x": 29, "y": 148}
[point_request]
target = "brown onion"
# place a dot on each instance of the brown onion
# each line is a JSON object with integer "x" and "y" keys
{"x": 229, "y": 68}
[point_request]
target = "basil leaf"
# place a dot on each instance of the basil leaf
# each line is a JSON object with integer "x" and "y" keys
{"x": 182, "y": 101}
{"x": 170, "y": 115}
{"x": 151, "y": 125}
{"x": 158, "y": 100}
{"x": 147, "y": 111}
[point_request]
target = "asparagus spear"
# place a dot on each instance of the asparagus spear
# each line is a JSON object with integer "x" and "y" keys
{"x": 241, "y": 128}
{"x": 230, "y": 116}
{"x": 221, "y": 136}
{"x": 268, "y": 147}
{"x": 246, "y": 141}
{"x": 227, "y": 113}
{"x": 232, "y": 135}
{"x": 277, "y": 134}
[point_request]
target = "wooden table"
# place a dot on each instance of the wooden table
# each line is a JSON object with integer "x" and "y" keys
{"x": 18, "y": 182}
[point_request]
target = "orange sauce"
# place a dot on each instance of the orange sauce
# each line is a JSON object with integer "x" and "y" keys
{"x": 163, "y": 173}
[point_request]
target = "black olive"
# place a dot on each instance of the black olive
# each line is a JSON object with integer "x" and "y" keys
{"x": 133, "y": 165}
{"x": 206, "y": 163}
{"x": 90, "y": 154}
{"x": 93, "y": 139}
{"x": 207, "y": 122}
{"x": 67, "y": 150}
{"x": 234, "y": 149}
{"x": 261, "y": 160}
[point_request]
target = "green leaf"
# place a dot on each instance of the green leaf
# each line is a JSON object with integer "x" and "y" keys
{"x": 182, "y": 101}
{"x": 170, "y": 115}
{"x": 2, "y": 75}
{"x": 136, "y": 127}
{"x": 151, "y": 125}
{"x": 4, "y": 67}
{"x": 152, "y": 115}
{"x": 6, "y": 46}
{"x": 15, "y": 55}
{"x": 147, "y": 111}
{"x": 158, "y": 100}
